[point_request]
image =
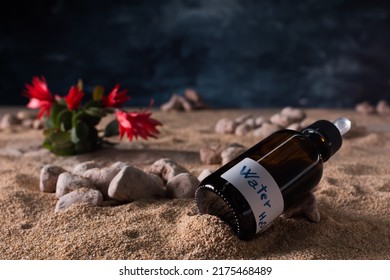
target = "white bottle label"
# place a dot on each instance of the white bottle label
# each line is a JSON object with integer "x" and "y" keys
{"x": 259, "y": 189}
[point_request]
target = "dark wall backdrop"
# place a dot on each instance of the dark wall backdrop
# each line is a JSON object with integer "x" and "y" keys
{"x": 236, "y": 53}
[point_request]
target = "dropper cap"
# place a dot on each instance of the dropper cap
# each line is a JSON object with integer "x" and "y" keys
{"x": 332, "y": 132}
{"x": 343, "y": 125}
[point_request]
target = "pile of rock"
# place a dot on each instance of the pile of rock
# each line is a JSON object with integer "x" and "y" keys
{"x": 116, "y": 184}
{"x": 189, "y": 102}
{"x": 288, "y": 117}
{"x": 25, "y": 119}
{"x": 215, "y": 154}
{"x": 382, "y": 108}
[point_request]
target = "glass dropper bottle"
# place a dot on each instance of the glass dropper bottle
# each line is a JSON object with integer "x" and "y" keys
{"x": 256, "y": 187}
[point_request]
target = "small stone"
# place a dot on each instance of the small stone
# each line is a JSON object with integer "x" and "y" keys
{"x": 192, "y": 96}
{"x": 27, "y": 123}
{"x": 8, "y": 120}
{"x": 68, "y": 182}
{"x": 166, "y": 169}
{"x": 38, "y": 124}
{"x": 225, "y": 126}
{"x": 280, "y": 120}
{"x": 231, "y": 152}
{"x": 48, "y": 177}
{"x": 102, "y": 177}
{"x": 210, "y": 154}
{"x": 205, "y": 172}
{"x": 241, "y": 119}
{"x": 365, "y": 108}
{"x": 82, "y": 195}
{"x": 383, "y": 108}
{"x": 185, "y": 104}
{"x": 242, "y": 129}
{"x": 80, "y": 168}
{"x": 131, "y": 184}
{"x": 265, "y": 130}
{"x": 173, "y": 104}
{"x": 293, "y": 114}
{"x": 251, "y": 122}
{"x": 295, "y": 126}
{"x": 306, "y": 206}
{"x": 182, "y": 185}
{"x": 26, "y": 115}
{"x": 195, "y": 99}
{"x": 259, "y": 121}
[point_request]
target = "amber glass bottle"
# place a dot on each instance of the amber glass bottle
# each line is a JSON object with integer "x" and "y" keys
{"x": 253, "y": 189}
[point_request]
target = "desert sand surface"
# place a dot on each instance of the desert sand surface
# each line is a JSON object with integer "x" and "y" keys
{"x": 353, "y": 199}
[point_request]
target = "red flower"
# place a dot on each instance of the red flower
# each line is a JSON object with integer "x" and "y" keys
{"x": 137, "y": 124}
{"x": 115, "y": 98}
{"x": 74, "y": 97}
{"x": 40, "y": 96}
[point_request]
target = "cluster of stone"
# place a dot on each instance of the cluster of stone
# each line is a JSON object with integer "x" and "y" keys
{"x": 189, "y": 102}
{"x": 216, "y": 154}
{"x": 25, "y": 119}
{"x": 288, "y": 117}
{"x": 116, "y": 184}
{"x": 381, "y": 108}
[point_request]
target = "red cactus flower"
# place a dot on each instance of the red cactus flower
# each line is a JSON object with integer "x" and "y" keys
{"x": 136, "y": 124}
{"x": 115, "y": 98}
{"x": 74, "y": 97}
{"x": 40, "y": 96}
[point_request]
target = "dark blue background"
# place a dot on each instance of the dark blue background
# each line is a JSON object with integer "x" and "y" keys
{"x": 236, "y": 53}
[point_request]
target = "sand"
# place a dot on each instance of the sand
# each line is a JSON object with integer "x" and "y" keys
{"x": 353, "y": 199}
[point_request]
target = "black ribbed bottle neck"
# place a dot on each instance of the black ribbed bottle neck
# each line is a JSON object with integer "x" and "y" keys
{"x": 325, "y": 136}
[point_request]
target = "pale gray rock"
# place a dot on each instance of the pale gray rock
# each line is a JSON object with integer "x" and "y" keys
{"x": 8, "y": 120}
{"x": 295, "y": 126}
{"x": 185, "y": 104}
{"x": 195, "y": 99}
{"x": 48, "y": 177}
{"x": 293, "y": 114}
{"x": 166, "y": 169}
{"x": 26, "y": 115}
{"x": 365, "y": 108}
{"x": 225, "y": 126}
{"x": 173, "y": 104}
{"x": 241, "y": 119}
{"x": 68, "y": 182}
{"x": 131, "y": 184}
{"x": 210, "y": 154}
{"x": 101, "y": 177}
{"x": 38, "y": 124}
{"x": 80, "y": 168}
{"x": 242, "y": 129}
{"x": 280, "y": 120}
{"x": 265, "y": 130}
{"x": 231, "y": 151}
{"x": 251, "y": 122}
{"x": 192, "y": 96}
{"x": 205, "y": 172}
{"x": 182, "y": 185}
{"x": 27, "y": 123}
{"x": 259, "y": 121}
{"x": 82, "y": 195}
{"x": 383, "y": 108}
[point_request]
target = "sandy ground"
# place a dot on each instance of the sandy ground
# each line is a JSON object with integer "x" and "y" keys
{"x": 353, "y": 200}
